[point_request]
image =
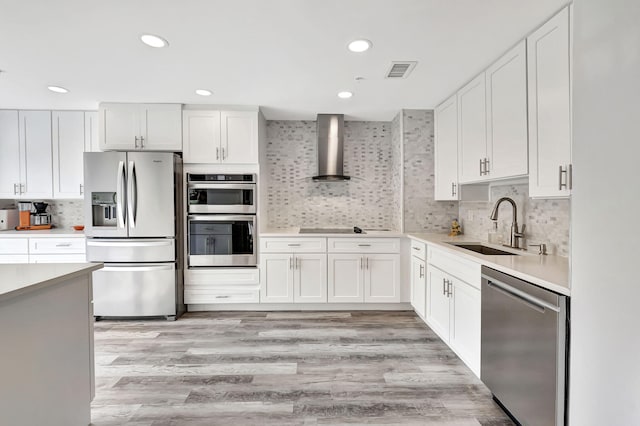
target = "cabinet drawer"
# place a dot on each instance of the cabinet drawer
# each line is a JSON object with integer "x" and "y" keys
{"x": 293, "y": 245}
{"x": 463, "y": 269}
{"x": 14, "y": 258}
{"x": 14, "y": 246}
{"x": 364, "y": 245}
{"x": 419, "y": 250}
{"x": 56, "y": 245}
{"x": 195, "y": 294}
{"x": 223, "y": 277}
{"x": 57, "y": 258}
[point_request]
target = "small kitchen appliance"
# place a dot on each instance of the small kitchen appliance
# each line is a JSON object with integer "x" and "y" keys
{"x": 8, "y": 218}
{"x": 40, "y": 216}
{"x": 24, "y": 208}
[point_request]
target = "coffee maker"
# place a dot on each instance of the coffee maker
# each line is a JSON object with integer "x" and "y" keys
{"x": 40, "y": 215}
{"x": 24, "y": 208}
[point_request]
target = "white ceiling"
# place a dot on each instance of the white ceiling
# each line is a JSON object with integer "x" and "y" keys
{"x": 288, "y": 56}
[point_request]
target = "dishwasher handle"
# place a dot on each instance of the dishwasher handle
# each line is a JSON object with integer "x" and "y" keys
{"x": 532, "y": 301}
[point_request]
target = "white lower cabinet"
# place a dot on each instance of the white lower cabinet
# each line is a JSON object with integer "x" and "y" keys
{"x": 454, "y": 310}
{"x": 221, "y": 285}
{"x": 368, "y": 278}
{"x": 42, "y": 250}
{"x": 293, "y": 278}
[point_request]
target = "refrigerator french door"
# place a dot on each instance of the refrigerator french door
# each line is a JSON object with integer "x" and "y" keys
{"x": 129, "y": 194}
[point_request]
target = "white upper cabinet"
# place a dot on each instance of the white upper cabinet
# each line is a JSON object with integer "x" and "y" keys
{"x": 151, "y": 127}
{"x": 472, "y": 131}
{"x": 201, "y": 136}
{"x": 10, "y": 157}
{"x": 35, "y": 154}
{"x": 239, "y": 141}
{"x": 446, "y": 150}
{"x": 549, "y": 90}
{"x": 91, "y": 140}
{"x": 214, "y": 137}
{"x": 68, "y": 146}
{"x": 507, "y": 115}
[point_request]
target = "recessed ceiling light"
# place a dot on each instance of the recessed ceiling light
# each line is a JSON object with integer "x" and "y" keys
{"x": 345, "y": 95}
{"x": 58, "y": 89}
{"x": 359, "y": 46}
{"x": 203, "y": 92}
{"x": 153, "y": 40}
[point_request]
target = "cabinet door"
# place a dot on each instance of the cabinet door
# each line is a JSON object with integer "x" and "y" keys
{"x": 276, "y": 274}
{"x": 239, "y": 131}
{"x": 68, "y": 147}
{"x": 418, "y": 286}
{"x": 465, "y": 323}
{"x": 10, "y": 158}
{"x": 119, "y": 126}
{"x": 446, "y": 150}
{"x": 507, "y": 114}
{"x": 161, "y": 127}
{"x": 548, "y": 59}
{"x": 91, "y": 140}
{"x": 14, "y": 258}
{"x": 382, "y": 278}
{"x": 472, "y": 130}
{"x": 201, "y": 137}
{"x": 346, "y": 280}
{"x": 35, "y": 153}
{"x": 438, "y": 303}
{"x": 310, "y": 278}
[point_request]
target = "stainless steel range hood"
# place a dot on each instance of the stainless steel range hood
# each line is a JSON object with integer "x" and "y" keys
{"x": 330, "y": 130}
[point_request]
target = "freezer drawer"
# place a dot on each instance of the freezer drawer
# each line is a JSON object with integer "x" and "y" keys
{"x": 135, "y": 290}
{"x": 128, "y": 250}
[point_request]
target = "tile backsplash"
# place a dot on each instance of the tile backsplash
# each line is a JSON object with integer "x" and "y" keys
{"x": 547, "y": 221}
{"x": 293, "y": 199}
{"x": 64, "y": 213}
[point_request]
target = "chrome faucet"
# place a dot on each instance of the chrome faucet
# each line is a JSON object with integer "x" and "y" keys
{"x": 514, "y": 240}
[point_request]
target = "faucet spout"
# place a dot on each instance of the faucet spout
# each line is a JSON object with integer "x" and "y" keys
{"x": 515, "y": 234}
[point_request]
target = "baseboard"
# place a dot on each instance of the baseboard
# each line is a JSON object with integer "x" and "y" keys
{"x": 300, "y": 307}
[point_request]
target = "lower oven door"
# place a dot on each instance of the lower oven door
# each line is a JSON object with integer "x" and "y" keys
{"x": 135, "y": 290}
{"x": 221, "y": 240}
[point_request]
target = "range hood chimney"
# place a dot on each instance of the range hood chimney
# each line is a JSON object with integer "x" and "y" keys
{"x": 330, "y": 130}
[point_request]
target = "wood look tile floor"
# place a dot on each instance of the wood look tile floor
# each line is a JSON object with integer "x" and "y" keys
{"x": 284, "y": 368}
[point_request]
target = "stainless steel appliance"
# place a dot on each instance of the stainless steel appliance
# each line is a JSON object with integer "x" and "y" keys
{"x": 330, "y": 130}
{"x": 220, "y": 193}
{"x": 131, "y": 199}
{"x": 524, "y": 348}
{"x": 221, "y": 220}
{"x": 8, "y": 218}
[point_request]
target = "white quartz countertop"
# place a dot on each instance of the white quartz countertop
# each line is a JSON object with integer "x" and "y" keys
{"x": 46, "y": 233}
{"x": 18, "y": 279}
{"x": 550, "y": 272}
{"x": 295, "y": 232}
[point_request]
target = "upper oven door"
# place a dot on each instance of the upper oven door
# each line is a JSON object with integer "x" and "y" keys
{"x": 222, "y": 198}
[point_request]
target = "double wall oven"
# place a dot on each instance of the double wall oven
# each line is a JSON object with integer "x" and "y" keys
{"x": 221, "y": 220}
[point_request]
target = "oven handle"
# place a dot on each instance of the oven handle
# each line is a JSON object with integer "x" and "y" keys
{"x": 220, "y": 217}
{"x": 192, "y": 185}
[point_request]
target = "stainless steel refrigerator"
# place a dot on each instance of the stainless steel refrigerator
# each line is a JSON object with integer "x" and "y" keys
{"x": 131, "y": 201}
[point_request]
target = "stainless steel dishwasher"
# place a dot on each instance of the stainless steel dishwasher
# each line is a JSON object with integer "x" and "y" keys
{"x": 524, "y": 348}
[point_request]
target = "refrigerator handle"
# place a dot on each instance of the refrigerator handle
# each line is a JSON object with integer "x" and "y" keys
{"x": 119, "y": 195}
{"x": 130, "y": 195}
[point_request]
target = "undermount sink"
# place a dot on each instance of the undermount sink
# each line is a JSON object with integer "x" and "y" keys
{"x": 482, "y": 249}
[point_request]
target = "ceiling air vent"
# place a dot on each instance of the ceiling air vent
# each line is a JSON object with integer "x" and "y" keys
{"x": 401, "y": 69}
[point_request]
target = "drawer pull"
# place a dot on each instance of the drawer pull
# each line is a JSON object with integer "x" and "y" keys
{"x": 364, "y": 245}
{"x": 416, "y": 248}
{"x": 294, "y": 245}
{"x": 63, "y": 245}
{"x": 222, "y": 297}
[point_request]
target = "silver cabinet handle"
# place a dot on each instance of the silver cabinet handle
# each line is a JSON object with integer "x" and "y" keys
{"x": 63, "y": 245}
{"x": 480, "y": 160}
{"x": 367, "y": 263}
{"x": 217, "y": 153}
{"x": 81, "y": 189}
{"x": 362, "y": 263}
{"x": 222, "y": 297}
{"x": 486, "y": 166}
{"x": 421, "y": 271}
{"x": 444, "y": 284}
{"x": 415, "y": 248}
{"x": 141, "y": 141}
{"x": 294, "y": 245}
{"x": 223, "y": 154}
{"x": 290, "y": 262}
{"x": 570, "y": 176}
{"x": 23, "y": 188}
{"x": 136, "y": 142}
{"x": 364, "y": 245}
{"x": 562, "y": 171}
{"x": 453, "y": 189}
{"x": 15, "y": 188}
{"x": 297, "y": 263}
{"x": 449, "y": 286}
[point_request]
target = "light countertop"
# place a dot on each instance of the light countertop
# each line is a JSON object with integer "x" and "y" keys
{"x": 550, "y": 272}
{"x": 46, "y": 233}
{"x": 18, "y": 279}
{"x": 295, "y": 232}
